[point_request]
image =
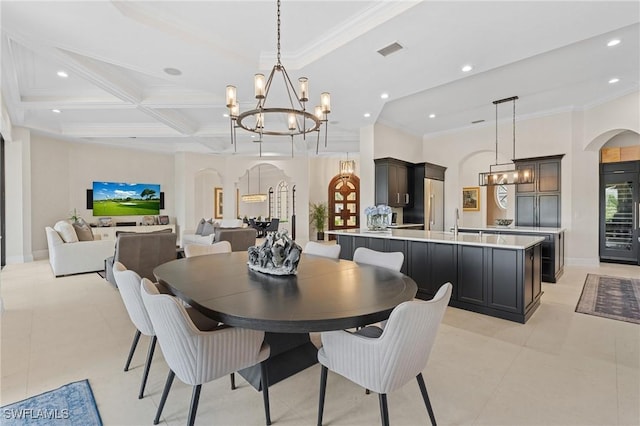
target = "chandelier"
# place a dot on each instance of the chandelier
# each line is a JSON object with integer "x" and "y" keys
{"x": 253, "y": 198}
{"x": 505, "y": 173}
{"x": 347, "y": 167}
{"x": 288, "y": 120}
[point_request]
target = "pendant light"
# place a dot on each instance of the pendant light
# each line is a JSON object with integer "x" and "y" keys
{"x": 253, "y": 198}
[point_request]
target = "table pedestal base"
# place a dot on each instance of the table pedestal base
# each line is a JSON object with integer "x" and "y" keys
{"x": 290, "y": 354}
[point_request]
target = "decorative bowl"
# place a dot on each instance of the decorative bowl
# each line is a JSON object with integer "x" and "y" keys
{"x": 504, "y": 222}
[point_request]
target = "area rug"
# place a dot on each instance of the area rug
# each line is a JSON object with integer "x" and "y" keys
{"x": 611, "y": 297}
{"x": 69, "y": 405}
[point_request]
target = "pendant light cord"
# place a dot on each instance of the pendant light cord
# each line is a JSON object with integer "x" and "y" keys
{"x": 278, "y": 44}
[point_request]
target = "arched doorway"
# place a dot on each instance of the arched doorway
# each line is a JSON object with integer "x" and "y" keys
{"x": 344, "y": 202}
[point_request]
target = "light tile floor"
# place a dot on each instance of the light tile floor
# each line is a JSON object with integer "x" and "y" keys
{"x": 561, "y": 368}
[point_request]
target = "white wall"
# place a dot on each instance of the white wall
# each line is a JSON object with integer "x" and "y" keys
{"x": 394, "y": 143}
{"x": 18, "y": 196}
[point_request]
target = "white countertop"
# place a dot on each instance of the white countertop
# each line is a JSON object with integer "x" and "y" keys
{"x": 528, "y": 229}
{"x": 471, "y": 239}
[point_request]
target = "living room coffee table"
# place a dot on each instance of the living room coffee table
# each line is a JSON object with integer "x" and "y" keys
{"x": 326, "y": 294}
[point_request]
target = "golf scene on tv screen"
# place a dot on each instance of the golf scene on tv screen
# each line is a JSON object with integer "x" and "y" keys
{"x": 125, "y": 199}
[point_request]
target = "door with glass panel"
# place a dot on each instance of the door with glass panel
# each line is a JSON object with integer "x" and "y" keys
{"x": 344, "y": 203}
{"x": 619, "y": 215}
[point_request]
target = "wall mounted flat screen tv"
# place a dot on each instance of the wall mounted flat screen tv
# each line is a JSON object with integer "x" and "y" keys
{"x": 125, "y": 199}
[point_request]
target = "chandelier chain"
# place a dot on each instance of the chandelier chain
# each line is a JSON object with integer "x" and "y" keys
{"x": 514, "y": 128}
{"x": 278, "y": 45}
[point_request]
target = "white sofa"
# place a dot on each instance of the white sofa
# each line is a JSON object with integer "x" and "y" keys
{"x": 189, "y": 236}
{"x": 78, "y": 257}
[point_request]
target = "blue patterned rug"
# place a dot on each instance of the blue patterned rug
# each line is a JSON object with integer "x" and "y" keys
{"x": 69, "y": 405}
{"x": 611, "y": 297}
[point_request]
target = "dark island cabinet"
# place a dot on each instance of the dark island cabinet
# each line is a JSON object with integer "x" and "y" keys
{"x": 431, "y": 265}
{"x": 501, "y": 282}
{"x": 472, "y": 287}
{"x": 349, "y": 244}
{"x": 551, "y": 250}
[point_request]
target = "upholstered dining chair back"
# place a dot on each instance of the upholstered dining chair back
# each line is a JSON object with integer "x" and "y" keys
{"x": 273, "y": 225}
{"x": 388, "y": 362}
{"x": 391, "y": 260}
{"x": 192, "y": 250}
{"x": 128, "y": 283}
{"x": 196, "y": 356}
{"x": 326, "y": 250}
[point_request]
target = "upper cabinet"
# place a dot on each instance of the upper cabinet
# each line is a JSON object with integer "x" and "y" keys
{"x": 538, "y": 203}
{"x": 392, "y": 182}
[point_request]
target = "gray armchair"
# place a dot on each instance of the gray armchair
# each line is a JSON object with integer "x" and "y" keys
{"x": 142, "y": 252}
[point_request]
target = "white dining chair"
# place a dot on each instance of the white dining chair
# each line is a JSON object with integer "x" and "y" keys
{"x": 385, "y": 360}
{"x": 128, "y": 283}
{"x": 389, "y": 260}
{"x": 192, "y": 250}
{"x": 197, "y": 356}
{"x": 326, "y": 250}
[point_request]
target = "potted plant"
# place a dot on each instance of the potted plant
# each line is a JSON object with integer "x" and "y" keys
{"x": 318, "y": 214}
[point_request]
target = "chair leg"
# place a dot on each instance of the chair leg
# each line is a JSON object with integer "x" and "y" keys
{"x": 195, "y": 397}
{"x": 147, "y": 366}
{"x": 425, "y": 396}
{"x": 384, "y": 410}
{"x": 132, "y": 350}
{"x": 163, "y": 399}
{"x": 232, "y": 376}
{"x": 264, "y": 377}
{"x": 323, "y": 389}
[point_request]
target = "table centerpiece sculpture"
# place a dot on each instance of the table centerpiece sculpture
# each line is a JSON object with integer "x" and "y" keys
{"x": 277, "y": 255}
{"x": 378, "y": 217}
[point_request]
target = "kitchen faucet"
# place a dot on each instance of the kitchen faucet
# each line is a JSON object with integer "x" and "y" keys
{"x": 455, "y": 226}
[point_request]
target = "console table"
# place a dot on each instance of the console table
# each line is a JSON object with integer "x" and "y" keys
{"x": 109, "y": 232}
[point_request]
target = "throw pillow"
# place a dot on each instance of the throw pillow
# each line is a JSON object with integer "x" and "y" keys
{"x": 200, "y": 227}
{"x": 83, "y": 231}
{"x": 208, "y": 229}
{"x": 66, "y": 231}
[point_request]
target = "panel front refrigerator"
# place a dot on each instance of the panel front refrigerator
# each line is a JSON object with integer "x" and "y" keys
{"x": 433, "y": 205}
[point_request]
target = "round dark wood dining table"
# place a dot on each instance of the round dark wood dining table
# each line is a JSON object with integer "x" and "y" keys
{"x": 325, "y": 294}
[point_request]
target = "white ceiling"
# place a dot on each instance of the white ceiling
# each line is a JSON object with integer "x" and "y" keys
{"x": 552, "y": 54}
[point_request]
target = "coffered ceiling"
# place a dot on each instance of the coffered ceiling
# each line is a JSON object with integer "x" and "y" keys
{"x": 553, "y": 55}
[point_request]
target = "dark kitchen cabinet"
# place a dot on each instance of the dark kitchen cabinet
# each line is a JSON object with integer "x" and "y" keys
{"x": 431, "y": 265}
{"x": 539, "y": 203}
{"x": 392, "y": 182}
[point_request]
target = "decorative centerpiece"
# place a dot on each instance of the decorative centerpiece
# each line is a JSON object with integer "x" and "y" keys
{"x": 278, "y": 255}
{"x": 378, "y": 217}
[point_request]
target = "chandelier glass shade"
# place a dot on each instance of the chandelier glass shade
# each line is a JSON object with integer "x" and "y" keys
{"x": 506, "y": 173}
{"x": 291, "y": 119}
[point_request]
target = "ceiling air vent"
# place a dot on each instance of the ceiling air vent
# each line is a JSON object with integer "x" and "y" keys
{"x": 477, "y": 121}
{"x": 388, "y": 50}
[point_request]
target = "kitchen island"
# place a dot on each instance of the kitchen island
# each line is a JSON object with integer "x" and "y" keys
{"x": 497, "y": 275}
{"x": 551, "y": 251}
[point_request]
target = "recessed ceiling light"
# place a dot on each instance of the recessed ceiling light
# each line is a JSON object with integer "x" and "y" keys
{"x": 173, "y": 71}
{"x": 225, "y": 115}
{"x": 367, "y": 115}
{"x": 432, "y": 116}
{"x": 62, "y": 74}
{"x": 57, "y": 111}
{"x": 467, "y": 68}
{"x": 614, "y": 42}
{"x": 384, "y": 96}
{"x": 614, "y": 80}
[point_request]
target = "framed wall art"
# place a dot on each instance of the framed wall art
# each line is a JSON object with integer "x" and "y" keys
{"x": 217, "y": 203}
{"x": 471, "y": 198}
